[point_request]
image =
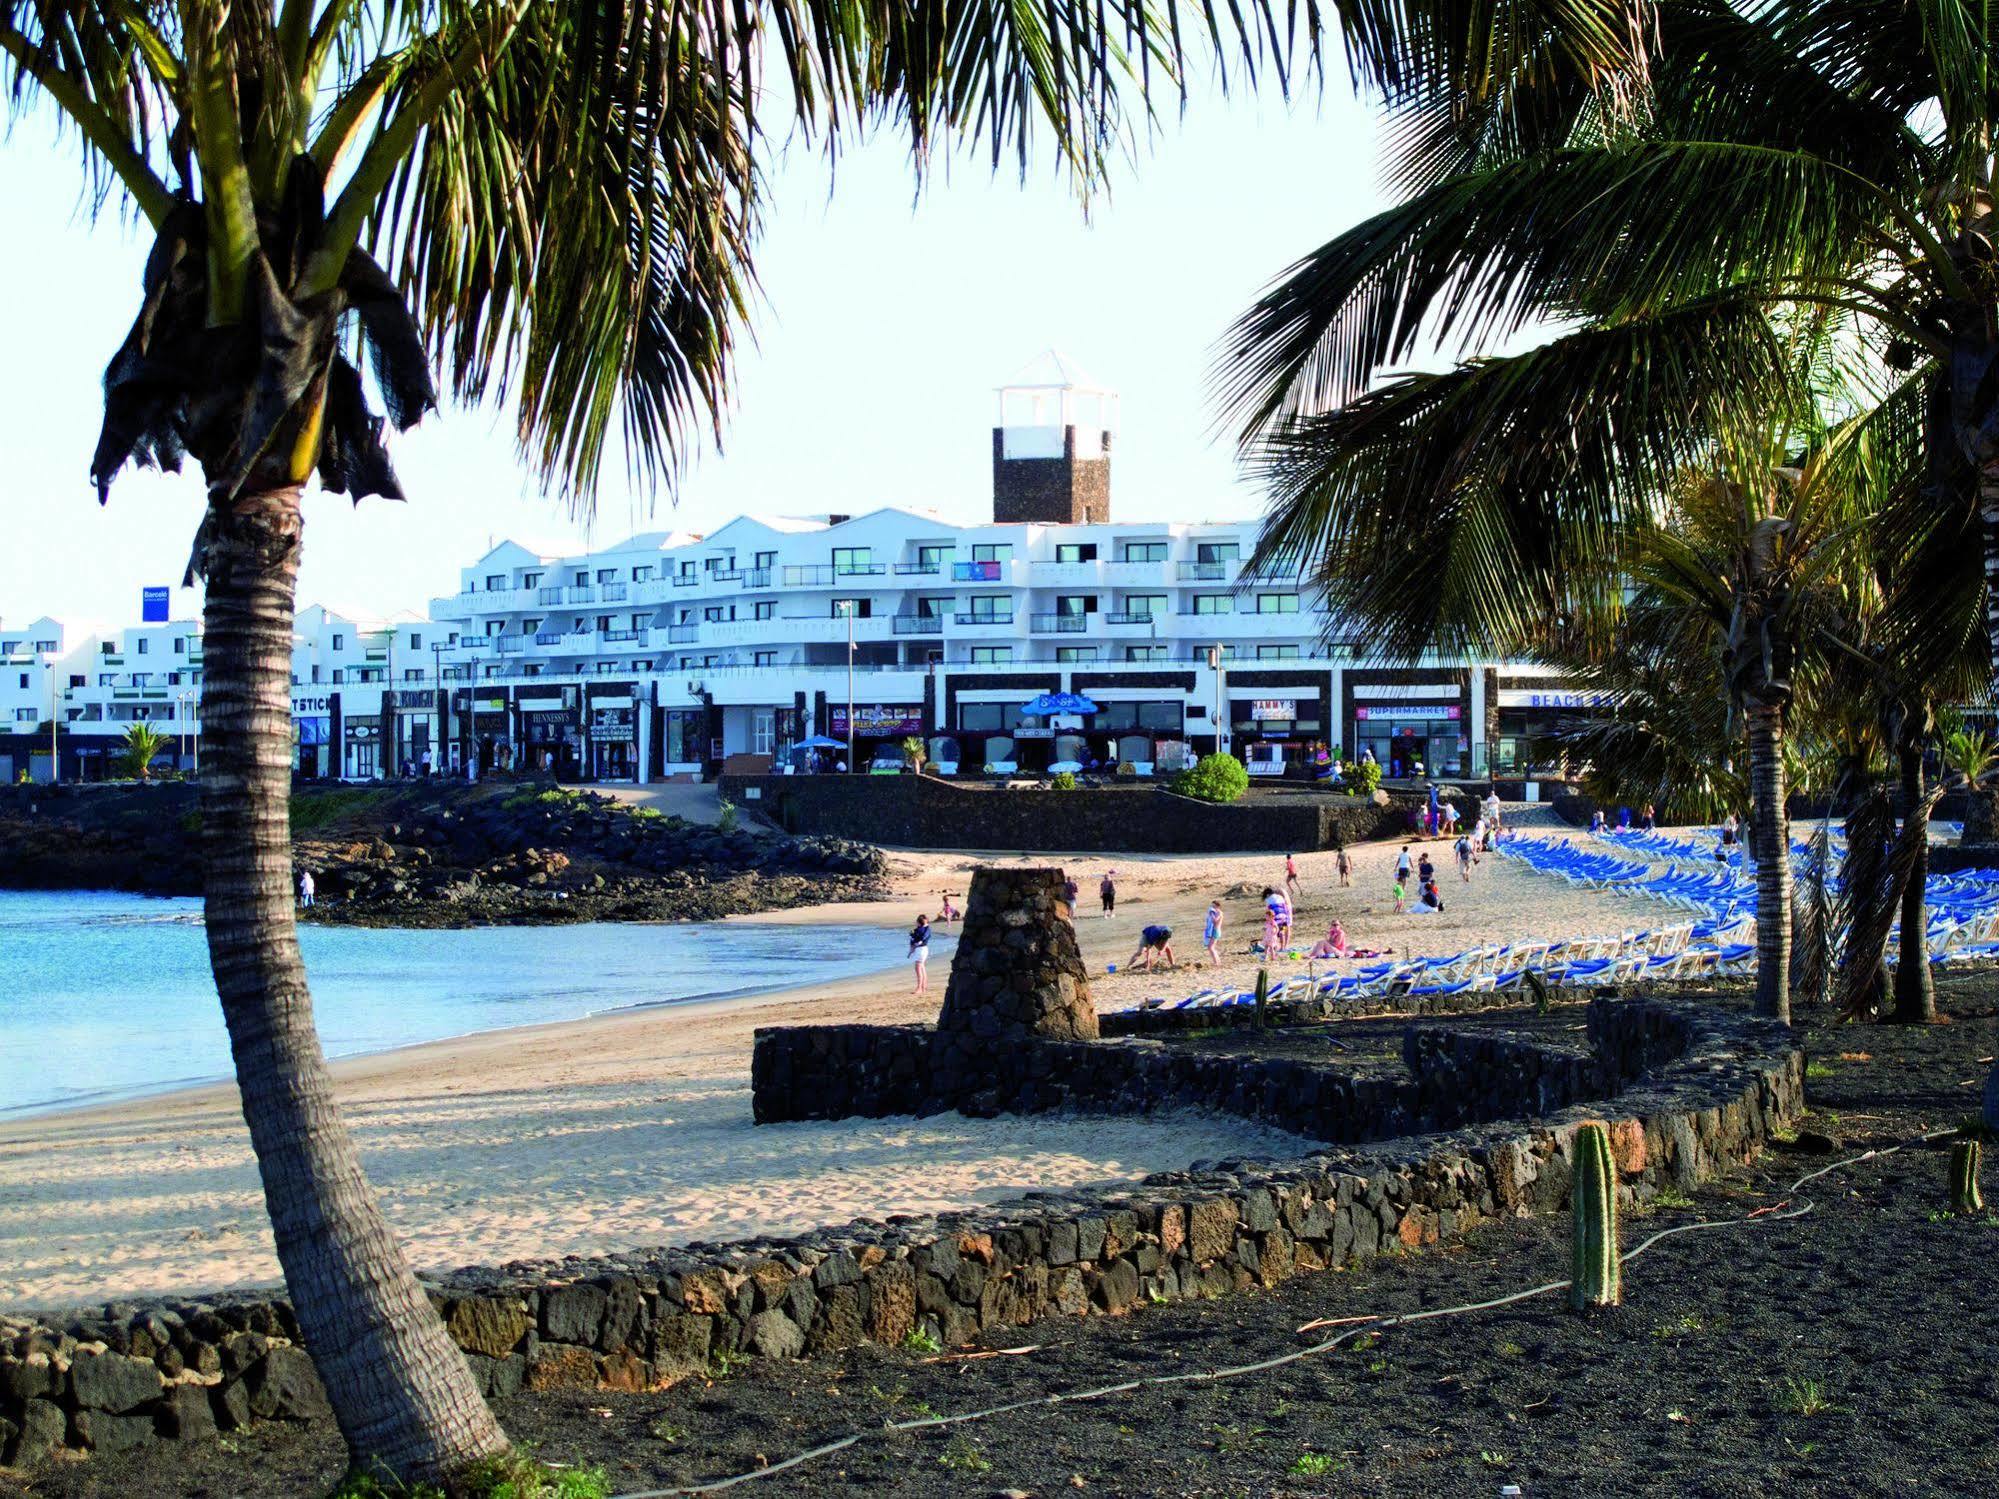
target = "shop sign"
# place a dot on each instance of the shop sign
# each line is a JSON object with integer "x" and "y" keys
{"x": 306, "y": 707}
{"x": 877, "y": 719}
{"x": 1521, "y": 698}
{"x": 1391, "y": 692}
{"x": 490, "y": 705}
{"x": 1408, "y": 712}
{"x": 1273, "y": 710}
{"x": 611, "y": 725}
{"x": 544, "y": 704}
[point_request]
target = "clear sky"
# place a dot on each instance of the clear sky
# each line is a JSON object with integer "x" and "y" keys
{"x": 887, "y": 321}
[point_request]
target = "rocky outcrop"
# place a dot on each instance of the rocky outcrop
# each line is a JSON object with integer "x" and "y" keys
{"x": 1018, "y": 971}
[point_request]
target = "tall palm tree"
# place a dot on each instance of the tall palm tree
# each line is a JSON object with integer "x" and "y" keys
{"x": 1652, "y": 221}
{"x": 556, "y": 201}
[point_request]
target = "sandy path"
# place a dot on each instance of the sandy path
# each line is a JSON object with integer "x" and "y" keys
{"x": 634, "y": 1129}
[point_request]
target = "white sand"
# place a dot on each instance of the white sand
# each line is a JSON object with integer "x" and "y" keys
{"x": 631, "y": 1130}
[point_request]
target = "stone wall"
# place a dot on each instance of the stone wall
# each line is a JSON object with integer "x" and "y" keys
{"x": 1695, "y": 1088}
{"x": 1018, "y": 972}
{"x": 926, "y": 812}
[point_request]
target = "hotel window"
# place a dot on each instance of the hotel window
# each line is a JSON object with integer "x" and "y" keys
{"x": 495, "y": 627}
{"x": 492, "y": 671}
{"x": 1145, "y": 653}
{"x": 339, "y": 642}
{"x": 1075, "y": 653}
{"x": 1076, "y": 551}
{"x": 495, "y": 582}
{"x": 582, "y": 577}
{"x": 933, "y": 558}
{"x": 530, "y": 580}
{"x": 412, "y": 674}
{"x": 765, "y": 609}
{"x": 992, "y": 551}
{"x": 1144, "y": 605}
{"x": 1211, "y": 603}
{"x": 1145, "y": 551}
{"x": 763, "y": 731}
{"x": 766, "y": 560}
{"x": 763, "y": 658}
{"x": 144, "y": 645}
{"x": 1076, "y": 603}
{"x": 991, "y": 655}
{"x": 45, "y": 645}
{"x": 850, "y": 560}
{"x": 934, "y": 606}
{"x": 339, "y": 676}
{"x": 687, "y": 568}
{"x": 639, "y": 621}
{"x": 24, "y": 679}
{"x": 416, "y": 642}
{"x": 713, "y": 614}
{"x": 603, "y": 624}
{"x": 641, "y": 574}
{"x": 1277, "y": 603}
{"x": 1277, "y": 653}
{"x": 645, "y": 665}
{"x": 24, "y": 715}
{"x": 607, "y": 575}
{"x": 76, "y": 681}
{"x": 1217, "y": 551}
{"x": 180, "y": 645}
{"x": 862, "y": 608}
{"x": 994, "y": 606}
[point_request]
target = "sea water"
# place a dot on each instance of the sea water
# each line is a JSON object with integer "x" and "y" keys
{"x": 105, "y": 995}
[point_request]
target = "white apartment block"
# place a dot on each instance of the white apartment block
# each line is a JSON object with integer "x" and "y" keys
{"x": 668, "y": 653}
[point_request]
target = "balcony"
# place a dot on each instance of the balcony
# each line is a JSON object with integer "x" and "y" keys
{"x": 919, "y": 624}
{"x": 1064, "y": 574}
{"x": 613, "y": 593}
{"x": 511, "y": 645}
{"x": 808, "y": 577}
{"x": 860, "y": 569}
{"x": 725, "y": 575}
{"x": 1126, "y": 617}
{"x": 548, "y": 637}
{"x": 1059, "y": 624}
{"x": 685, "y": 580}
{"x": 983, "y": 619}
{"x": 682, "y": 634}
{"x": 919, "y": 569}
{"x": 1206, "y": 572}
{"x": 757, "y": 577}
{"x": 978, "y": 572}
{"x": 624, "y": 637}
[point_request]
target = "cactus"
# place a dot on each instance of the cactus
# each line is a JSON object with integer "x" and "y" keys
{"x": 1967, "y": 1157}
{"x": 1598, "y": 1278}
{"x": 1262, "y": 997}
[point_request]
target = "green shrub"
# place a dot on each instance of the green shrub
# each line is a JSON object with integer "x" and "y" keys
{"x": 726, "y": 818}
{"x": 1215, "y": 778}
{"x": 1062, "y": 780}
{"x": 1361, "y": 777}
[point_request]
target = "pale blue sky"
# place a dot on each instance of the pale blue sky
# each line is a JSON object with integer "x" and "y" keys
{"x": 886, "y": 324}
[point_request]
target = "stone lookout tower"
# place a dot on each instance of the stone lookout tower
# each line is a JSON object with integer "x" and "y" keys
{"x": 1052, "y": 447}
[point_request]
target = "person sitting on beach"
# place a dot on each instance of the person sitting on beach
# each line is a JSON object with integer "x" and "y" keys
{"x": 919, "y": 952}
{"x": 1211, "y": 934}
{"x": 1333, "y": 944}
{"x": 950, "y": 912}
{"x": 1429, "y": 900}
{"x": 1153, "y": 941}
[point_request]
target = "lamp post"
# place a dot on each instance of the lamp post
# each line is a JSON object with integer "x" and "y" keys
{"x": 437, "y": 679}
{"x": 1221, "y": 726}
{"x": 183, "y": 698}
{"x": 847, "y": 606}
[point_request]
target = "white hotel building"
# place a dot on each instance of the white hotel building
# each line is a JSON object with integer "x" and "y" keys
{"x": 668, "y": 653}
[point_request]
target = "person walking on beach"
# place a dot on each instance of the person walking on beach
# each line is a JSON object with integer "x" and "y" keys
{"x": 1070, "y": 890}
{"x": 1107, "y": 888}
{"x": 1153, "y": 941}
{"x": 1291, "y": 886}
{"x": 305, "y": 889}
{"x": 1465, "y": 858}
{"x": 1211, "y": 934}
{"x": 1343, "y": 863}
{"x": 1403, "y": 864}
{"x": 919, "y": 952}
{"x": 1426, "y": 872}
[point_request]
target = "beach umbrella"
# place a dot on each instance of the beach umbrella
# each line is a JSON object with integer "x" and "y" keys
{"x": 820, "y": 741}
{"x": 1055, "y": 704}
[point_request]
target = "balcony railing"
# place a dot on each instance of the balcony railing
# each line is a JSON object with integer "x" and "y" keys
{"x": 623, "y": 637}
{"x": 1204, "y": 572}
{"x": 682, "y": 634}
{"x": 613, "y": 593}
{"x": 1221, "y": 606}
{"x": 859, "y": 569}
{"x": 1144, "y": 618}
{"x": 757, "y": 577}
{"x": 512, "y": 645}
{"x": 977, "y": 572}
{"x": 984, "y": 619}
{"x": 919, "y": 624}
{"x": 548, "y": 637}
{"x": 725, "y": 575}
{"x": 806, "y": 577}
{"x": 1060, "y": 624}
{"x": 918, "y": 569}
{"x": 685, "y": 580}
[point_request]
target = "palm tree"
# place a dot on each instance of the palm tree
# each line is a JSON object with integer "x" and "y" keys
{"x": 143, "y": 744}
{"x": 1654, "y": 219}
{"x": 557, "y": 201}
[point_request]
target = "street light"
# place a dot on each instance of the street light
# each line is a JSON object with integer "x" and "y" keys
{"x": 437, "y": 676}
{"x": 183, "y": 698}
{"x": 847, "y": 608}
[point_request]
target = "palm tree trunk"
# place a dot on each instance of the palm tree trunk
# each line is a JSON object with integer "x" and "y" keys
{"x": 1915, "y": 992}
{"x": 399, "y": 1386}
{"x": 1770, "y": 842}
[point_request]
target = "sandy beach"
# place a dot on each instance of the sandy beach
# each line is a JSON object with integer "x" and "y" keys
{"x": 633, "y": 1129}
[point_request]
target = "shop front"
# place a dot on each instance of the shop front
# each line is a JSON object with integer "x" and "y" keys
{"x": 552, "y": 732}
{"x": 492, "y": 734}
{"x": 1530, "y": 721}
{"x": 1276, "y": 735}
{"x": 614, "y": 739}
{"x": 878, "y": 730}
{"x": 312, "y": 736}
{"x": 684, "y": 746}
{"x": 360, "y": 758}
{"x": 1412, "y": 739}
{"x": 1133, "y": 732}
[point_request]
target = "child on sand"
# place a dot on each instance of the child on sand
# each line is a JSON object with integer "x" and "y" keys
{"x": 1343, "y": 862}
{"x": 1211, "y": 934}
{"x": 1401, "y": 897}
{"x": 1291, "y": 886}
{"x": 919, "y": 952}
